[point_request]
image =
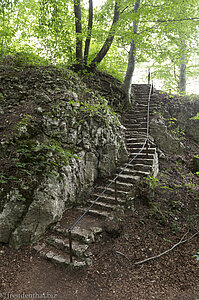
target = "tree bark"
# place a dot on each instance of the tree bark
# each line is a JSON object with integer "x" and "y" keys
{"x": 2, "y": 39}
{"x": 109, "y": 40}
{"x": 132, "y": 58}
{"x": 182, "y": 78}
{"x": 88, "y": 39}
{"x": 78, "y": 27}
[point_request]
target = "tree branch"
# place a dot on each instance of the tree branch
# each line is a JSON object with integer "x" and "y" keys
{"x": 165, "y": 252}
{"x": 124, "y": 10}
{"x": 107, "y": 44}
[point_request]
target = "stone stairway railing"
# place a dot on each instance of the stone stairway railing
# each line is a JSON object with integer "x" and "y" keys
{"x": 56, "y": 246}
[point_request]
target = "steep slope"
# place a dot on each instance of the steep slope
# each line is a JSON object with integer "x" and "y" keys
{"x": 57, "y": 138}
{"x": 108, "y": 200}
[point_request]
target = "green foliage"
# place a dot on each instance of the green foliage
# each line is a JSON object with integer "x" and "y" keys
{"x": 2, "y": 98}
{"x": 22, "y": 124}
{"x": 174, "y": 227}
{"x": 172, "y": 121}
{"x": 47, "y": 29}
{"x": 152, "y": 182}
{"x": 192, "y": 220}
{"x": 196, "y": 255}
{"x": 195, "y": 117}
{"x": 100, "y": 109}
{"x": 33, "y": 159}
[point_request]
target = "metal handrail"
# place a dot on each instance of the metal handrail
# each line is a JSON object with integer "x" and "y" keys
{"x": 115, "y": 179}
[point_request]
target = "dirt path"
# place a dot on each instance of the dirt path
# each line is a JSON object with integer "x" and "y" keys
{"x": 113, "y": 274}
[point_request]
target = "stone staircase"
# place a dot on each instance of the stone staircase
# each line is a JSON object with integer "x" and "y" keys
{"x": 55, "y": 245}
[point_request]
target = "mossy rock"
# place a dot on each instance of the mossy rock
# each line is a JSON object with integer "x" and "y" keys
{"x": 113, "y": 227}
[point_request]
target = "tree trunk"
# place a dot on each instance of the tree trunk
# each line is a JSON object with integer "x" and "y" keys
{"x": 132, "y": 58}
{"x": 88, "y": 39}
{"x": 3, "y": 28}
{"x": 109, "y": 40}
{"x": 182, "y": 78}
{"x": 78, "y": 26}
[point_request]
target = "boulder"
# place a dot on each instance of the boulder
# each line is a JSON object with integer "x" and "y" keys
{"x": 113, "y": 227}
{"x": 11, "y": 215}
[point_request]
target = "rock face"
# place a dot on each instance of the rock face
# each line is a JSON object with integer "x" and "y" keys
{"x": 165, "y": 141}
{"x": 184, "y": 113}
{"x": 173, "y": 119}
{"x": 96, "y": 139}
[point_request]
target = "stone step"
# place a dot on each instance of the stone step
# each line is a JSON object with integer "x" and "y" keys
{"x": 143, "y": 167}
{"x": 58, "y": 257}
{"x": 132, "y": 117}
{"x": 139, "y": 92}
{"x": 80, "y": 234}
{"x": 141, "y": 99}
{"x": 134, "y": 172}
{"x": 135, "y": 145}
{"x": 135, "y": 139}
{"x": 144, "y": 150}
{"x": 129, "y": 132}
{"x": 109, "y": 198}
{"x": 103, "y": 206}
{"x": 95, "y": 212}
{"x": 138, "y": 116}
{"x": 136, "y": 169}
{"x": 121, "y": 193}
{"x": 135, "y": 135}
{"x": 141, "y": 95}
{"x": 144, "y": 161}
{"x": 139, "y": 105}
{"x": 125, "y": 186}
{"x": 142, "y": 155}
{"x": 128, "y": 179}
{"x": 138, "y": 113}
{"x": 132, "y": 126}
{"x": 62, "y": 243}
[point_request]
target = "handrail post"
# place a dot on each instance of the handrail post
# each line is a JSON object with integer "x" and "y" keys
{"x": 149, "y": 76}
{"x": 70, "y": 245}
{"x": 147, "y": 148}
{"x": 152, "y": 88}
{"x": 115, "y": 190}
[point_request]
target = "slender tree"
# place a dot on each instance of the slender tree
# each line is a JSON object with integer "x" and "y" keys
{"x": 89, "y": 31}
{"x": 108, "y": 42}
{"x": 132, "y": 56}
{"x": 182, "y": 77}
{"x": 78, "y": 27}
